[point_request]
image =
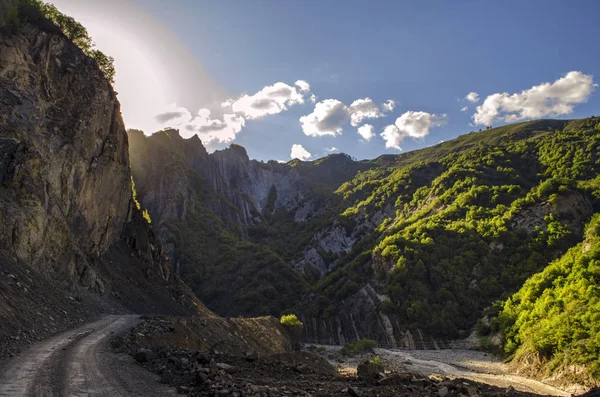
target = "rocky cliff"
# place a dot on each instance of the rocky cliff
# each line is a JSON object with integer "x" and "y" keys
{"x": 70, "y": 233}
{"x": 227, "y": 182}
{"x": 64, "y": 156}
{"x": 207, "y": 208}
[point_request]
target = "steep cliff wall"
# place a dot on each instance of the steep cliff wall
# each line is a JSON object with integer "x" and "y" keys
{"x": 172, "y": 172}
{"x": 204, "y": 206}
{"x": 72, "y": 242}
{"x": 64, "y": 157}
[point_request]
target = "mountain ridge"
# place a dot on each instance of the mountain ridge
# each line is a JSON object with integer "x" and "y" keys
{"x": 354, "y": 204}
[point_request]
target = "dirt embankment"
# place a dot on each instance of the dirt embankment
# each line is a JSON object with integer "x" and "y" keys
{"x": 234, "y": 336}
{"x": 574, "y": 378}
{"x": 249, "y": 357}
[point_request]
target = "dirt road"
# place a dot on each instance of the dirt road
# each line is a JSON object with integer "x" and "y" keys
{"x": 79, "y": 363}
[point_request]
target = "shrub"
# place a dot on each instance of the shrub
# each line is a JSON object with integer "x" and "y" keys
{"x": 387, "y": 307}
{"x": 358, "y": 347}
{"x": 291, "y": 322}
{"x": 36, "y": 12}
{"x": 145, "y": 213}
{"x": 376, "y": 360}
{"x": 146, "y": 216}
{"x": 320, "y": 349}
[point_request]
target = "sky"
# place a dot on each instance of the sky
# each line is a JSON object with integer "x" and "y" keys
{"x": 304, "y": 79}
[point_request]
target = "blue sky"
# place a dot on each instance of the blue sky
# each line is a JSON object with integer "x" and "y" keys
{"x": 425, "y": 55}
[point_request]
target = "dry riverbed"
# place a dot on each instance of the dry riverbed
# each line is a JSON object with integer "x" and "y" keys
{"x": 467, "y": 364}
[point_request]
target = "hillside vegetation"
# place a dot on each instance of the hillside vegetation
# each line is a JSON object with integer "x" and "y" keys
{"x": 469, "y": 221}
{"x": 47, "y": 17}
{"x": 555, "y": 316}
{"x": 440, "y": 233}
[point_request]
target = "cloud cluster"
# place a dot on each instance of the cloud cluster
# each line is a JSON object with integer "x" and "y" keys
{"x": 270, "y": 100}
{"x": 362, "y": 109}
{"x": 298, "y": 152}
{"x": 389, "y": 105}
{"x": 411, "y": 124}
{"x": 327, "y": 118}
{"x": 472, "y": 97}
{"x": 231, "y": 117}
{"x": 214, "y": 129}
{"x": 546, "y": 99}
{"x": 330, "y": 115}
{"x": 366, "y": 131}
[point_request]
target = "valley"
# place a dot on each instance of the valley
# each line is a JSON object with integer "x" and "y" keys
{"x": 137, "y": 263}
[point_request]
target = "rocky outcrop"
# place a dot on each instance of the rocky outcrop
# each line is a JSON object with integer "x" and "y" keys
{"x": 572, "y": 208}
{"x": 70, "y": 233}
{"x": 64, "y": 174}
{"x": 360, "y": 317}
{"x": 254, "y": 184}
{"x": 227, "y": 181}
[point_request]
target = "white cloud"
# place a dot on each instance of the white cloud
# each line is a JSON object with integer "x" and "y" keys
{"x": 331, "y": 149}
{"x": 313, "y": 98}
{"x": 366, "y": 132}
{"x": 389, "y": 105}
{"x": 231, "y": 117}
{"x": 209, "y": 129}
{"x": 330, "y": 115}
{"x": 298, "y": 152}
{"x": 412, "y": 124}
{"x": 472, "y": 97}
{"x": 546, "y": 99}
{"x": 464, "y": 109}
{"x": 392, "y": 137}
{"x": 362, "y": 109}
{"x": 222, "y": 129}
{"x": 303, "y": 85}
{"x": 327, "y": 118}
{"x": 271, "y": 99}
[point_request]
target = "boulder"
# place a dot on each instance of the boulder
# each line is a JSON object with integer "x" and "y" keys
{"x": 144, "y": 355}
{"x": 353, "y": 391}
{"x": 166, "y": 377}
{"x": 443, "y": 391}
{"x": 226, "y": 367}
{"x": 369, "y": 370}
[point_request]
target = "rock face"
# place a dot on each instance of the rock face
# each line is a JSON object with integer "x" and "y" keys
{"x": 360, "y": 318}
{"x": 70, "y": 233}
{"x": 246, "y": 188}
{"x": 573, "y": 208}
{"x": 63, "y": 152}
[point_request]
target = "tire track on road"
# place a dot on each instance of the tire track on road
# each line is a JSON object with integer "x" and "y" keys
{"x": 79, "y": 363}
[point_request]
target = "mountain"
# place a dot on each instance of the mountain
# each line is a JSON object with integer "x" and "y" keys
{"x": 465, "y": 223}
{"x": 496, "y": 225}
{"x": 402, "y": 248}
{"x": 210, "y": 212}
{"x": 73, "y": 243}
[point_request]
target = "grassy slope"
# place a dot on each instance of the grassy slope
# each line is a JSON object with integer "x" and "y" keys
{"x": 452, "y": 203}
{"x": 555, "y": 316}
